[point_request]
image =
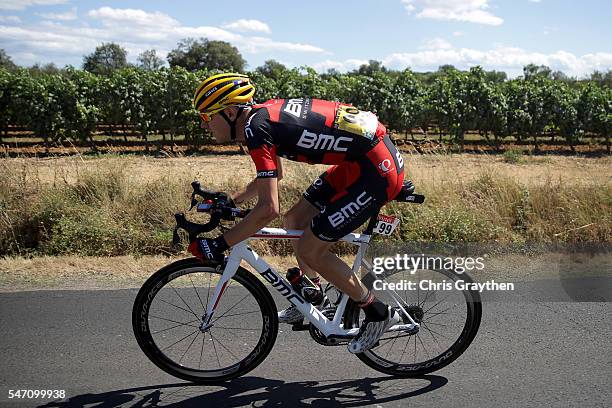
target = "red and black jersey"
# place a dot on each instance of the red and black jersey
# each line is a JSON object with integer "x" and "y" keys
{"x": 309, "y": 130}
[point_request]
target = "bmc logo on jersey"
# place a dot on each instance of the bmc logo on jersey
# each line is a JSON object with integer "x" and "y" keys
{"x": 294, "y": 107}
{"x": 310, "y": 140}
{"x": 349, "y": 210}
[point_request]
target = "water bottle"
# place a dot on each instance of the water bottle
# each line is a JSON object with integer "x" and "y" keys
{"x": 304, "y": 286}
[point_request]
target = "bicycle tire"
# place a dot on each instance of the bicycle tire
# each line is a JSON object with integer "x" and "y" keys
{"x": 467, "y": 334}
{"x": 151, "y": 288}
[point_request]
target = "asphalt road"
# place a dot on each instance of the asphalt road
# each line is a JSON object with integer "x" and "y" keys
{"x": 530, "y": 351}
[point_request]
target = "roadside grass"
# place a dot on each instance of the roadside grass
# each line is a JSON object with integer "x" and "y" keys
{"x": 118, "y": 205}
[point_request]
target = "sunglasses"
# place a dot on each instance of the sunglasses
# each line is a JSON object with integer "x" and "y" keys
{"x": 207, "y": 117}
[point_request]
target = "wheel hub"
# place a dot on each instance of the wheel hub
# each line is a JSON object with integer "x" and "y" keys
{"x": 204, "y": 326}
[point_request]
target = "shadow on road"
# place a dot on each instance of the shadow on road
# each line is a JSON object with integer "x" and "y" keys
{"x": 261, "y": 392}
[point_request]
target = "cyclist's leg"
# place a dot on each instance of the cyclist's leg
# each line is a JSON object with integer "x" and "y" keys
{"x": 299, "y": 217}
{"x": 316, "y": 252}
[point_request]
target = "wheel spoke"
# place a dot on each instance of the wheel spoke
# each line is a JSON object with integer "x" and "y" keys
{"x": 235, "y": 314}
{"x": 201, "y": 350}
{"x": 235, "y": 328}
{"x": 174, "y": 321}
{"x": 240, "y": 301}
{"x": 215, "y": 348}
{"x": 180, "y": 297}
{"x": 188, "y": 347}
{"x": 196, "y": 292}
{"x": 178, "y": 341}
{"x": 174, "y": 327}
{"x": 225, "y": 348}
{"x": 178, "y": 307}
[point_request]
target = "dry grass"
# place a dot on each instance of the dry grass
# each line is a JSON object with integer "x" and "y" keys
{"x": 123, "y": 205}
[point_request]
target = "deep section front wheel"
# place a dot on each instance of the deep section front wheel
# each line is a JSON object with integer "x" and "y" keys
{"x": 167, "y": 317}
{"x": 449, "y": 317}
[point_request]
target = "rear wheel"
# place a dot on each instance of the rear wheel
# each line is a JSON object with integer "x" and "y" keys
{"x": 167, "y": 315}
{"x": 449, "y": 319}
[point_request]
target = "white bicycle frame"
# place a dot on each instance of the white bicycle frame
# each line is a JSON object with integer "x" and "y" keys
{"x": 329, "y": 328}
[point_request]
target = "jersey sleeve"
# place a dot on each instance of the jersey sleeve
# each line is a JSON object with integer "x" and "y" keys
{"x": 258, "y": 137}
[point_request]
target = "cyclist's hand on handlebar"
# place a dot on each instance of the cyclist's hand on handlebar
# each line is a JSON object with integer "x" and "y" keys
{"x": 207, "y": 249}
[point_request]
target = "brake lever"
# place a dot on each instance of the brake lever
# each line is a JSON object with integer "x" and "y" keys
{"x": 194, "y": 201}
{"x": 176, "y": 238}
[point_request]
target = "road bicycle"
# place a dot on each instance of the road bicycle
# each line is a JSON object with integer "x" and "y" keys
{"x": 209, "y": 322}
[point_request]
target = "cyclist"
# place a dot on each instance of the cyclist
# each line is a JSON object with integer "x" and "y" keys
{"x": 367, "y": 171}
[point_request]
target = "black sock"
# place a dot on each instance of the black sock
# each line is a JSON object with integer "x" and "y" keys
{"x": 374, "y": 309}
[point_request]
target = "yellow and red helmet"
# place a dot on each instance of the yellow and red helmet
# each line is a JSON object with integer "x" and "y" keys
{"x": 219, "y": 91}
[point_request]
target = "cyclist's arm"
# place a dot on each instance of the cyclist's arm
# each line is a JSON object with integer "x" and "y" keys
{"x": 266, "y": 210}
{"x": 250, "y": 191}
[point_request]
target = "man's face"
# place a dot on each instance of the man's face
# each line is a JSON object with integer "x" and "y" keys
{"x": 218, "y": 127}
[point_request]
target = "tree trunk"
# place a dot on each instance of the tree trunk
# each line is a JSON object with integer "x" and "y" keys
{"x": 123, "y": 126}
{"x": 92, "y": 144}
{"x": 535, "y": 143}
{"x": 496, "y": 142}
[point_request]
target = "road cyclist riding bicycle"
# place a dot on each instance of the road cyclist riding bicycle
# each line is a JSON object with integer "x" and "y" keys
{"x": 367, "y": 172}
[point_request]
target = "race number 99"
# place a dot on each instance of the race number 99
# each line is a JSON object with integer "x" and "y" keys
{"x": 386, "y": 224}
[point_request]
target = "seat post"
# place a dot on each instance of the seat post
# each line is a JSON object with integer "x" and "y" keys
{"x": 372, "y": 223}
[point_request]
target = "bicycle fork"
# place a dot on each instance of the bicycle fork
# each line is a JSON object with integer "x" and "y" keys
{"x": 228, "y": 272}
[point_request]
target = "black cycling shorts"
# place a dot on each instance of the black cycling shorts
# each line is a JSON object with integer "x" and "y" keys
{"x": 348, "y": 194}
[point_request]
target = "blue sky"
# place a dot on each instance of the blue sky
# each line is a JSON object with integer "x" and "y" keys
{"x": 573, "y": 36}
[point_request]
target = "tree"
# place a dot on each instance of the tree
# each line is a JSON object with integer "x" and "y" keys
{"x": 199, "y": 54}
{"x": 49, "y": 68}
{"x": 497, "y": 77}
{"x": 532, "y": 71}
{"x": 271, "y": 69}
{"x": 371, "y": 67}
{"x": 6, "y": 61}
{"x": 602, "y": 78}
{"x": 105, "y": 59}
{"x": 149, "y": 61}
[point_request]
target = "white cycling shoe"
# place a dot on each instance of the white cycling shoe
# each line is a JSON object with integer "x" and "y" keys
{"x": 292, "y": 315}
{"x": 371, "y": 332}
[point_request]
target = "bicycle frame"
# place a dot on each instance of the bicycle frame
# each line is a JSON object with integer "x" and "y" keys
{"x": 329, "y": 328}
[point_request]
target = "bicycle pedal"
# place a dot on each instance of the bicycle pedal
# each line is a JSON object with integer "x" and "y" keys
{"x": 300, "y": 327}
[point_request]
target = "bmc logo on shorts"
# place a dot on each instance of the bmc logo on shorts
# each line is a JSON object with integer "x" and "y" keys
{"x": 349, "y": 210}
{"x": 310, "y": 140}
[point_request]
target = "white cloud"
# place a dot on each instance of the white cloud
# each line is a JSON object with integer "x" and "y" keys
{"x": 248, "y": 25}
{"x": 23, "y": 4}
{"x": 473, "y": 11}
{"x": 458, "y": 33}
{"x": 10, "y": 19}
{"x": 257, "y": 45}
{"x": 535, "y": 1}
{"x": 112, "y": 17}
{"x": 343, "y": 66}
{"x": 66, "y": 16}
{"x": 436, "y": 44}
{"x": 508, "y": 59}
{"x": 135, "y": 30}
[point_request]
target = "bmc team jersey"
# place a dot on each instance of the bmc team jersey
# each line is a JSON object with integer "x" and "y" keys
{"x": 310, "y": 131}
{"x": 367, "y": 170}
